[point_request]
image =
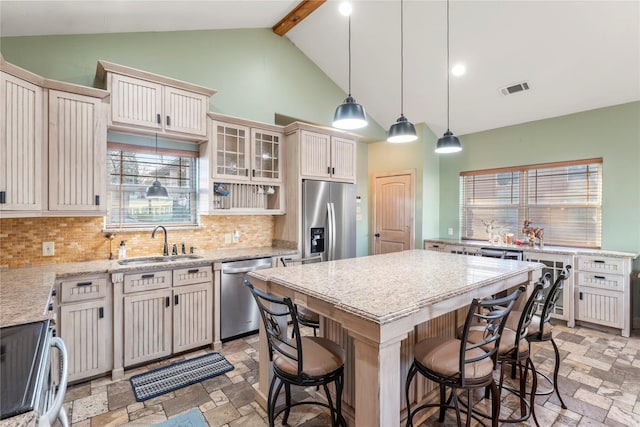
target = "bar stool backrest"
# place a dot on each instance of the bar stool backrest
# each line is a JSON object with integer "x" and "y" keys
{"x": 531, "y": 307}
{"x": 551, "y": 301}
{"x": 277, "y": 313}
{"x": 486, "y": 313}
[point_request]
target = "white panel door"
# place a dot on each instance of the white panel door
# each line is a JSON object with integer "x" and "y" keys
{"x": 21, "y": 144}
{"x": 77, "y": 152}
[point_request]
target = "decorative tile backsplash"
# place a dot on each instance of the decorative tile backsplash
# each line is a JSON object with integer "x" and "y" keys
{"x": 83, "y": 238}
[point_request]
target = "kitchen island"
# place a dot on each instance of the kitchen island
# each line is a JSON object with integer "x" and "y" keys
{"x": 377, "y": 307}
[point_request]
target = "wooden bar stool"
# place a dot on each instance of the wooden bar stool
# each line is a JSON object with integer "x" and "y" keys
{"x": 301, "y": 361}
{"x": 460, "y": 364}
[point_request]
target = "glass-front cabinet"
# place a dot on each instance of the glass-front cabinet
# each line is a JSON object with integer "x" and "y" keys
{"x": 231, "y": 151}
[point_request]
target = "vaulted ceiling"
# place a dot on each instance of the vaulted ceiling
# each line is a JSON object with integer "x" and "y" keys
{"x": 575, "y": 55}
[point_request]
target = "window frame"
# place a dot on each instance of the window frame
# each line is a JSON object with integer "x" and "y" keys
{"x": 590, "y": 210}
{"x": 111, "y": 187}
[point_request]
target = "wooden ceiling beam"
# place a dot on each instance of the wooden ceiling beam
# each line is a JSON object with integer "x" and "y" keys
{"x": 301, "y": 11}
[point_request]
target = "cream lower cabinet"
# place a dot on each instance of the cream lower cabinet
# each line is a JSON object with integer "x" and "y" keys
{"x": 602, "y": 292}
{"x": 166, "y": 312}
{"x": 77, "y": 153}
{"x": 85, "y": 325}
{"x": 21, "y": 144}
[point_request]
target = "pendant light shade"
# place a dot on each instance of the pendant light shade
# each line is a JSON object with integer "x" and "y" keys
{"x": 350, "y": 114}
{"x": 402, "y": 130}
{"x": 156, "y": 190}
{"x": 449, "y": 143}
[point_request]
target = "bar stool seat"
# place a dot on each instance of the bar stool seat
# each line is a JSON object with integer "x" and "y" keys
{"x": 442, "y": 355}
{"x": 320, "y": 357}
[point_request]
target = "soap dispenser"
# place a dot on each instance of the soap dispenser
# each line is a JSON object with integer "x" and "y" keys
{"x": 122, "y": 254}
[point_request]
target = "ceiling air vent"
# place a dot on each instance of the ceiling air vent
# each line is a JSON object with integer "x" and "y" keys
{"x": 515, "y": 88}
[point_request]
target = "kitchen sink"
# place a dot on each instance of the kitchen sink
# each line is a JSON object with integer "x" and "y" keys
{"x": 157, "y": 259}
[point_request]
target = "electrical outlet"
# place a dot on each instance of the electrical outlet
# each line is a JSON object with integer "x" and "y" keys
{"x": 47, "y": 249}
{"x": 227, "y": 238}
{"x": 450, "y": 231}
{"x": 236, "y": 236}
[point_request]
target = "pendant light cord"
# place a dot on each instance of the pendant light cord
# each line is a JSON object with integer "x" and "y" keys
{"x": 448, "y": 71}
{"x": 349, "y": 54}
{"x": 401, "y": 57}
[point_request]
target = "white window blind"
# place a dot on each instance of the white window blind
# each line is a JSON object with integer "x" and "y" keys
{"x": 563, "y": 198}
{"x": 131, "y": 169}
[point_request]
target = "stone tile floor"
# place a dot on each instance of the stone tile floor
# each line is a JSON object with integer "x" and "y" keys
{"x": 599, "y": 382}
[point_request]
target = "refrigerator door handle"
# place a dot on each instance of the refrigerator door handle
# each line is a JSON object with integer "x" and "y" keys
{"x": 331, "y": 225}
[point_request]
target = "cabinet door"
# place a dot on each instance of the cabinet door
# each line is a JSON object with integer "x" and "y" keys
{"x": 192, "y": 316}
{"x": 21, "y": 144}
{"x": 343, "y": 159}
{"x": 315, "y": 155}
{"x": 185, "y": 112}
{"x": 136, "y": 102}
{"x": 77, "y": 152}
{"x": 147, "y": 326}
{"x": 266, "y": 155}
{"x": 84, "y": 327}
{"x": 599, "y": 306}
{"x": 231, "y": 151}
{"x": 554, "y": 264}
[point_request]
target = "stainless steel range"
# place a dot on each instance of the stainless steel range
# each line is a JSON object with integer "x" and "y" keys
{"x": 27, "y": 380}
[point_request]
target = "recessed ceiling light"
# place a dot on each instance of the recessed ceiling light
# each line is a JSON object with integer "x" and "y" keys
{"x": 345, "y": 8}
{"x": 458, "y": 69}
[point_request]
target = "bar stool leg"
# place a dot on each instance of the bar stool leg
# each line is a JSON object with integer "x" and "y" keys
{"x": 555, "y": 373}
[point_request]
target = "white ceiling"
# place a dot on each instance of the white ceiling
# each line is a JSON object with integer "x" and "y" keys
{"x": 576, "y": 55}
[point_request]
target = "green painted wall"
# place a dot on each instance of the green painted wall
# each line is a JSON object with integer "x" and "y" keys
{"x": 612, "y": 133}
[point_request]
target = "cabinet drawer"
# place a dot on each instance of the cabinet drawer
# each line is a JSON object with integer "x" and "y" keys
{"x": 188, "y": 276}
{"x": 147, "y": 281}
{"x": 602, "y": 264}
{"x": 82, "y": 289}
{"x": 612, "y": 282}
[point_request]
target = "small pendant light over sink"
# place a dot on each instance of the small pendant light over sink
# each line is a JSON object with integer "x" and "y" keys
{"x": 449, "y": 143}
{"x": 402, "y": 130}
{"x": 349, "y": 114}
{"x": 156, "y": 190}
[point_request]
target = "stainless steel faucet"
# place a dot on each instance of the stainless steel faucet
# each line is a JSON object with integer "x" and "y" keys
{"x": 165, "y": 250}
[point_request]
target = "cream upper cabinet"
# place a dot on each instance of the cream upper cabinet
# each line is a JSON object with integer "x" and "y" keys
{"x": 324, "y": 156}
{"x": 148, "y": 103}
{"x": 22, "y": 144}
{"x": 77, "y": 152}
{"x": 241, "y": 167}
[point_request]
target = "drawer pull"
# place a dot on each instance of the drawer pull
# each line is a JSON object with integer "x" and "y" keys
{"x": 599, "y": 277}
{"x": 194, "y": 271}
{"x": 167, "y": 302}
{"x": 598, "y": 261}
{"x": 148, "y": 276}
{"x": 175, "y": 300}
{"x": 84, "y": 283}
{"x": 101, "y": 313}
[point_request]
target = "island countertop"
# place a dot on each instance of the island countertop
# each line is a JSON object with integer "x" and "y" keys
{"x": 383, "y": 288}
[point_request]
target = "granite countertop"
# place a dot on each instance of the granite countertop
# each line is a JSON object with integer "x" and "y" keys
{"x": 546, "y": 249}
{"x": 24, "y": 292}
{"x": 382, "y": 288}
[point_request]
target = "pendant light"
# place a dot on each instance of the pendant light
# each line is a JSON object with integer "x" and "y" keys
{"x": 449, "y": 143}
{"x": 156, "y": 190}
{"x": 349, "y": 114}
{"x": 402, "y": 130}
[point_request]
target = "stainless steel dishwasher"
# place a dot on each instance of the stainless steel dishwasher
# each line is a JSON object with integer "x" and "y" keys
{"x": 239, "y": 313}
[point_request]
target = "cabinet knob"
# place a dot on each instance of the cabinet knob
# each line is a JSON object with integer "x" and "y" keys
{"x": 159, "y": 119}
{"x": 97, "y": 200}
{"x": 168, "y": 120}
{"x": 101, "y": 312}
{"x": 3, "y": 197}
{"x": 176, "y": 300}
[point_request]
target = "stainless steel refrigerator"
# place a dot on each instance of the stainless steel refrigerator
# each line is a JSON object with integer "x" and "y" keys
{"x": 328, "y": 219}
